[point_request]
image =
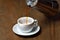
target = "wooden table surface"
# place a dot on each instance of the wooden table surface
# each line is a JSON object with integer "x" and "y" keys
{"x": 11, "y": 10}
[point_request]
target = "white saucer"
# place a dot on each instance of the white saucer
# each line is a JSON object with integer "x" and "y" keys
{"x": 19, "y": 32}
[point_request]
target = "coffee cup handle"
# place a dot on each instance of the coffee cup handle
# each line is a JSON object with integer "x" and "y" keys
{"x": 36, "y": 22}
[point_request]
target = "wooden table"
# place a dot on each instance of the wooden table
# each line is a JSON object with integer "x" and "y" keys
{"x": 11, "y": 10}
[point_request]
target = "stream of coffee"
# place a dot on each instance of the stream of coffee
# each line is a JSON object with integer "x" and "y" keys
{"x": 27, "y": 10}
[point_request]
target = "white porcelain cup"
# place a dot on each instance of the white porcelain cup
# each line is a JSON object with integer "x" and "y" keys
{"x": 27, "y": 27}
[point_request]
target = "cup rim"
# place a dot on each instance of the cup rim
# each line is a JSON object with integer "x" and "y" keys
{"x": 25, "y": 24}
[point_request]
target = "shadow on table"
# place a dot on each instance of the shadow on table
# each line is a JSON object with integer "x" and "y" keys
{"x": 35, "y": 35}
{"x": 55, "y": 18}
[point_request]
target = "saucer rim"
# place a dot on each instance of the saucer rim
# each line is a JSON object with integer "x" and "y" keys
{"x": 24, "y": 34}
